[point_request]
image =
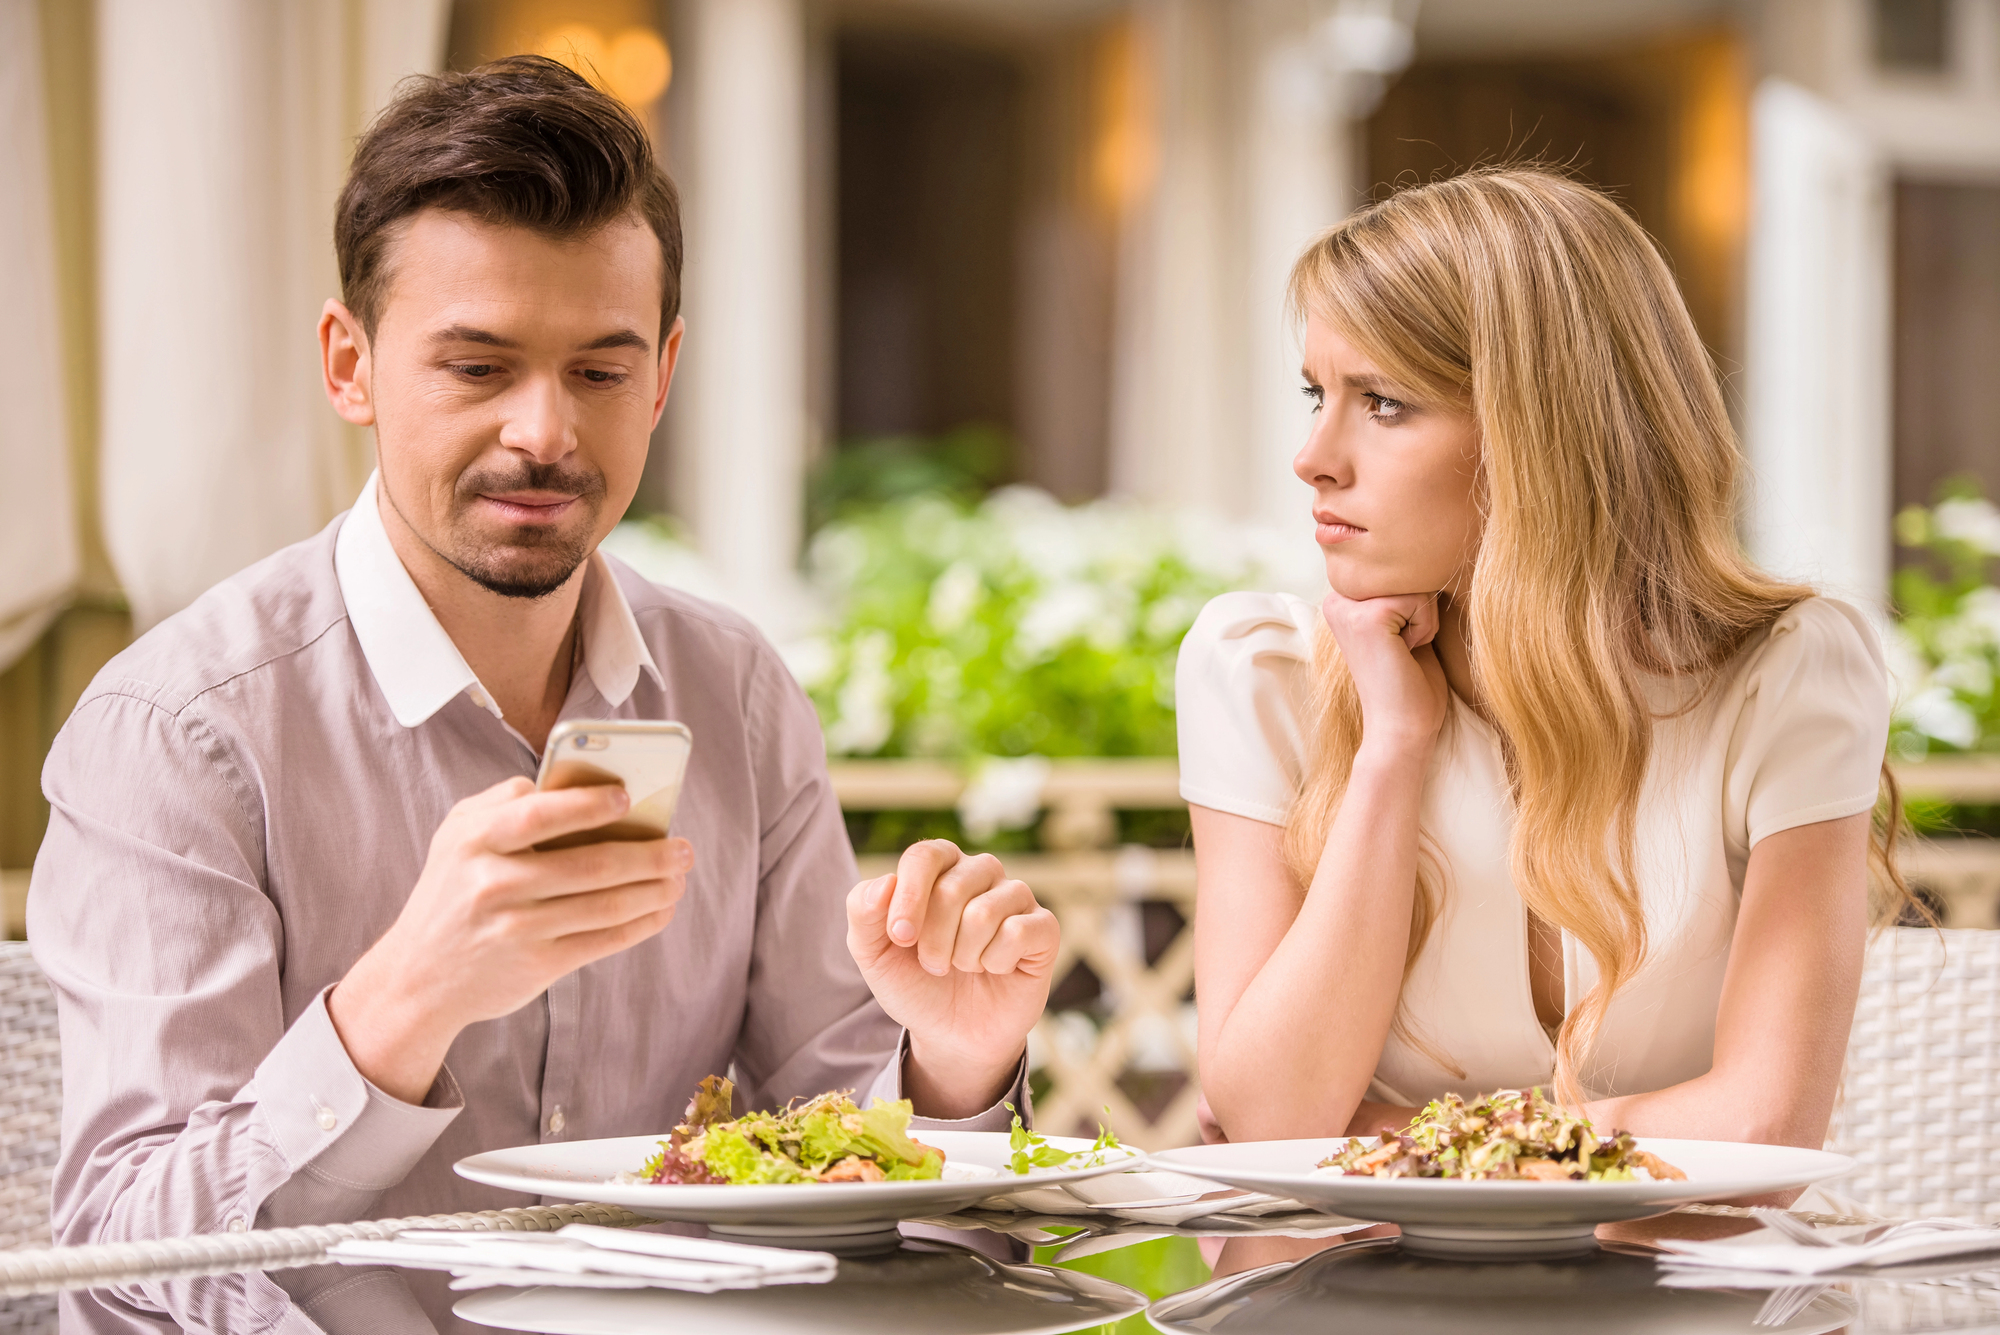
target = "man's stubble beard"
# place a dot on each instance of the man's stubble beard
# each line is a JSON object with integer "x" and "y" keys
{"x": 534, "y": 563}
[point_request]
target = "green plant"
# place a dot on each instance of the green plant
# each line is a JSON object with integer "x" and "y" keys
{"x": 1017, "y": 626}
{"x": 962, "y": 464}
{"x": 1946, "y": 645}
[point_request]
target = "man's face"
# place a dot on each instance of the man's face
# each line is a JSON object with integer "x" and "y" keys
{"x": 515, "y": 382}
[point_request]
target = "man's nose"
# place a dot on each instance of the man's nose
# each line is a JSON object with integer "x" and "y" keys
{"x": 538, "y": 424}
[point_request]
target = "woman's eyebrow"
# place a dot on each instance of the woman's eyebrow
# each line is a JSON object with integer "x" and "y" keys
{"x": 1371, "y": 384}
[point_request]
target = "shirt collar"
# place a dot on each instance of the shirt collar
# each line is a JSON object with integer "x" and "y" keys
{"x": 415, "y": 662}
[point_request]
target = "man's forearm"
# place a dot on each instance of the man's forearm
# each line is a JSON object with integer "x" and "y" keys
{"x": 397, "y": 1043}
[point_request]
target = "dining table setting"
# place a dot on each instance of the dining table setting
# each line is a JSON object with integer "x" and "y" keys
{"x": 1018, "y": 1233}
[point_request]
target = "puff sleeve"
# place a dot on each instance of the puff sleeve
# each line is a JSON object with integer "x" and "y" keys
{"x": 1813, "y": 726}
{"x": 1240, "y": 690}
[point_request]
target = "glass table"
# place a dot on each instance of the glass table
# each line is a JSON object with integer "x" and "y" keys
{"x": 1036, "y": 1279}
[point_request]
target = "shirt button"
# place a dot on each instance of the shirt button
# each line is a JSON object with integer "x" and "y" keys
{"x": 556, "y": 1120}
{"x": 328, "y": 1120}
{"x": 237, "y": 1224}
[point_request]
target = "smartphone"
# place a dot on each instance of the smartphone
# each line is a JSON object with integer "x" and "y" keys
{"x": 648, "y": 758}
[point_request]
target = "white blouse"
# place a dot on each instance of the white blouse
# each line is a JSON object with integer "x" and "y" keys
{"x": 1793, "y": 734}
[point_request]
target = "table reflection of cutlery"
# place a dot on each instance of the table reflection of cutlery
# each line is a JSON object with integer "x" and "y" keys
{"x": 1784, "y": 1304}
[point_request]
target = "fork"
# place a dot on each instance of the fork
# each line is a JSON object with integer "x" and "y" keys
{"x": 1799, "y": 1231}
{"x": 1784, "y": 1304}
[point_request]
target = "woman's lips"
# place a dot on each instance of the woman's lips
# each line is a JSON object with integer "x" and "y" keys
{"x": 530, "y": 507}
{"x": 1331, "y": 528}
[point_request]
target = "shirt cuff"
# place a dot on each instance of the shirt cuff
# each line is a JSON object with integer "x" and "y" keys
{"x": 888, "y": 1086}
{"x": 330, "y": 1123}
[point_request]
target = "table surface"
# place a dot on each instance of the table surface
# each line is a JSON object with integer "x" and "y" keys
{"x": 1365, "y": 1282}
{"x": 981, "y": 1282}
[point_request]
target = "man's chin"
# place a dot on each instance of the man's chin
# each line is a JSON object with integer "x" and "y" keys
{"x": 522, "y": 572}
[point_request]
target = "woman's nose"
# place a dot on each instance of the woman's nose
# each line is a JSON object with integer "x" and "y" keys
{"x": 1320, "y": 458}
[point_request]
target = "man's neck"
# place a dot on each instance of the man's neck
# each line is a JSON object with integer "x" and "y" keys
{"x": 521, "y": 649}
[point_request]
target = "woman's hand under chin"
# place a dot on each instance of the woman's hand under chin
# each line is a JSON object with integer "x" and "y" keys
{"x": 1387, "y": 644}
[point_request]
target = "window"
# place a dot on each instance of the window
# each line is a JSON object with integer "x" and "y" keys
{"x": 1911, "y": 36}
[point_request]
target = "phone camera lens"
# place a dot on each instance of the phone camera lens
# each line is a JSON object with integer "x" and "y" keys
{"x": 581, "y": 742}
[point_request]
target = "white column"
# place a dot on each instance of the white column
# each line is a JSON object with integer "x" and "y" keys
{"x": 1818, "y": 356}
{"x": 1171, "y": 441}
{"x": 742, "y": 437}
{"x": 39, "y": 557}
{"x": 1298, "y": 166}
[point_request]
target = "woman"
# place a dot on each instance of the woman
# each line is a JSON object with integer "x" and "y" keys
{"x": 1554, "y": 786}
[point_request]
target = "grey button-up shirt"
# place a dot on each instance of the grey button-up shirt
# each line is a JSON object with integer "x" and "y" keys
{"x": 240, "y": 805}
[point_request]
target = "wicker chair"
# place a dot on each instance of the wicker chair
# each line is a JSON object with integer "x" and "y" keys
{"x": 1922, "y": 1086}
{"x": 30, "y": 1122}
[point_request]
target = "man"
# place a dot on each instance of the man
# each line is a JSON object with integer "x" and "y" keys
{"x": 305, "y": 952}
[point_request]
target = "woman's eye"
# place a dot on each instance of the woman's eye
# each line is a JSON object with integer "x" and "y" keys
{"x": 1316, "y": 394}
{"x": 1382, "y": 409}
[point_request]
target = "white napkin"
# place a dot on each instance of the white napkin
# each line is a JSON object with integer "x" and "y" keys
{"x": 1769, "y": 1252}
{"x": 586, "y": 1256}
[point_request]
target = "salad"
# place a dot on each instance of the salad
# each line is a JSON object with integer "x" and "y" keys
{"x": 1511, "y": 1135}
{"x": 823, "y": 1139}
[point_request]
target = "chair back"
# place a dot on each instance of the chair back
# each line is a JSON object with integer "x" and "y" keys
{"x": 30, "y": 1123}
{"x": 1921, "y": 1092}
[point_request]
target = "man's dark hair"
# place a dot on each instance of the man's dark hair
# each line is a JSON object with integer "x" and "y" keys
{"x": 524, "y": 142}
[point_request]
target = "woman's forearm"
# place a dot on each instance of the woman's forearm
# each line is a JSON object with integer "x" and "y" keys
{"x": 1296, "y": 1053}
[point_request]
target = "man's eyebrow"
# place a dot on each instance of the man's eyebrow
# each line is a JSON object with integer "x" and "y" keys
{"x": 624, "y": 338}
{"x": 465, "y": 333}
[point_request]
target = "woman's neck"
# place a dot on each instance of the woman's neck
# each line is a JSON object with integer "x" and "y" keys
{"x": 1454, "y": 652}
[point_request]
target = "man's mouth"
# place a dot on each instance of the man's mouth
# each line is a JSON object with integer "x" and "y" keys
{"x": 528, "y": 507}
{"x": 1329, "y": 528}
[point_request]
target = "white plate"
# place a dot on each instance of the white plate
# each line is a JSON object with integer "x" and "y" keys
{"x": 909, "y": 1292}
{"x": 1445, "y": 1217}
{"x": 975, "y": 1169}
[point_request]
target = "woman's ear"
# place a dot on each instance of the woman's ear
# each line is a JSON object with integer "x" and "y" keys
{"x": 344, "y": 364}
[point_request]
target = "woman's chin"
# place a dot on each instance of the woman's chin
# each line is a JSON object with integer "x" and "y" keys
{"x": 1360, "y": 585}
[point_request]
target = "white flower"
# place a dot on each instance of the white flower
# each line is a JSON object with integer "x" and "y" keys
{"x": 1937, "y": 713}
{"x": 1980, "y": 611}
{"x": 1060, "y": 614}
{"x": 863, "y": 716}
{"x": 1003, "y": 795}
{"x": 1971, "y": 520}
{"x": 954, "y": 596}
{"x": 810, "y": 660}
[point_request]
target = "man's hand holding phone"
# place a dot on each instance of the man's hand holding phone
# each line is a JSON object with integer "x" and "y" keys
{"x": 493, "y": 921}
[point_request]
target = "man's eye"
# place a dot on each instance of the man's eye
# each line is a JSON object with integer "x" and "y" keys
{"x": 603, "y": 377}
{"x": 476, "y": 372}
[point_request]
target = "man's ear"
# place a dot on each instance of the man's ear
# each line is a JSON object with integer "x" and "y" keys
{"x": 344, "y": 364}
{"x": 670, "y": 356}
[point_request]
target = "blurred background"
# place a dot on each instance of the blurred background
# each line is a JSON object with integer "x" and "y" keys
{"x": 987, "y": 383}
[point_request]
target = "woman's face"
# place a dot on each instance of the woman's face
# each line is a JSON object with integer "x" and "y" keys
{"x": 1395, "y": 480}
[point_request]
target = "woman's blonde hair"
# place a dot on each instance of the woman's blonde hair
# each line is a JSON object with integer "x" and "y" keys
{"x": 1609, "y": 555}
